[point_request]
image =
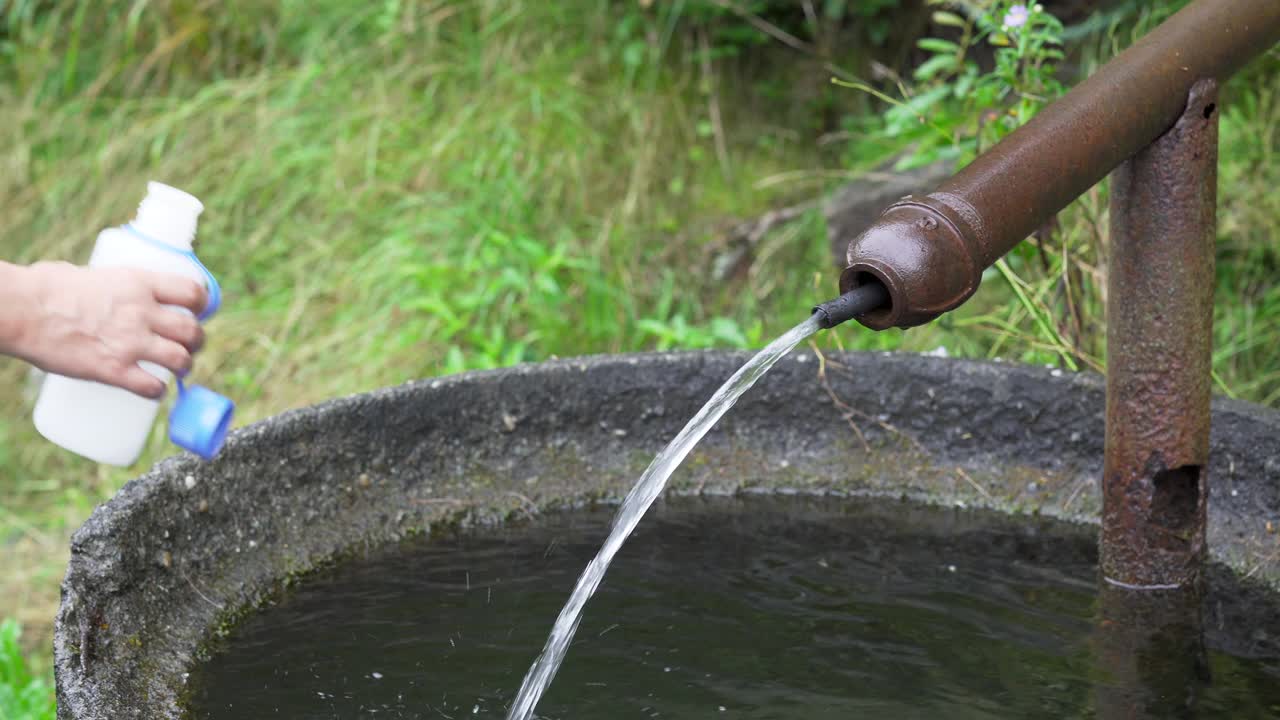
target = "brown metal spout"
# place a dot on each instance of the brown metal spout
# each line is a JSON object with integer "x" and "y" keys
{"x": 930, "y": 251}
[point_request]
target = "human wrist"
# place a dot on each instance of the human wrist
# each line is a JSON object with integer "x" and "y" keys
{"x": 18, "y": 298}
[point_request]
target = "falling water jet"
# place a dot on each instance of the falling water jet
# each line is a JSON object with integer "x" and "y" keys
{"x": 857, "y": 301}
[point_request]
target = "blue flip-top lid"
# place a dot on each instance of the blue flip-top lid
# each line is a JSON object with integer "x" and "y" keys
{"x": 200, "y": 418}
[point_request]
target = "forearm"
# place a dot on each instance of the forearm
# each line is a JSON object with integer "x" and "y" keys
{"x": 17, "y": 298}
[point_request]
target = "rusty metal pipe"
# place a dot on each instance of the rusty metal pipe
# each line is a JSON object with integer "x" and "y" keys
{"x": 930, "y": 251}
{"x": 1160, "y": 353}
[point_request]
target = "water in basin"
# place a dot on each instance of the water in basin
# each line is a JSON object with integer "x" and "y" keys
{"x": 768, "y": 607}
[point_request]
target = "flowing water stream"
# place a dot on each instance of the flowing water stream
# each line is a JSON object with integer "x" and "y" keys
{"x": 635, "y": 505}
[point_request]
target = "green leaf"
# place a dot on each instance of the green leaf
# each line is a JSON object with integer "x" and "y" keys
{"x": 921, "y": 103}
{"x": 934, "y": 65}
{"x": 938, "y": 45}
{"x": 942, "y": 17}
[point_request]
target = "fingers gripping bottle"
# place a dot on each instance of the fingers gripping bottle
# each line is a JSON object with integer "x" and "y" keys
{"x": 108, "y": 424}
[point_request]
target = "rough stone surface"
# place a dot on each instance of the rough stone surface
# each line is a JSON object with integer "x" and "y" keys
{"x": 182, "y": 551}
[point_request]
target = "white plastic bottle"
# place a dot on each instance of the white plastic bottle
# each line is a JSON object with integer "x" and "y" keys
{"x": 101, "y": 422}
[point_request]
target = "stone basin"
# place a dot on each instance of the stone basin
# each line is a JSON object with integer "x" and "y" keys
{"x": 183, "y": 552}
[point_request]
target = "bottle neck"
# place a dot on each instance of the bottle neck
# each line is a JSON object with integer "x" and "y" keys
{"x": 168, "y": 215}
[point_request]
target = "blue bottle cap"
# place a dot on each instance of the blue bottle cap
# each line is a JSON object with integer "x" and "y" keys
{"x": 199, "y": 420}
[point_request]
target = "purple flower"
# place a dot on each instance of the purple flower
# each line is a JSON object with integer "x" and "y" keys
{"x": 1016, "y": 17}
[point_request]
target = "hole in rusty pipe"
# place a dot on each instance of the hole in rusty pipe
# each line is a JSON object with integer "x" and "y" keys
{"x": 1177, "y": 496}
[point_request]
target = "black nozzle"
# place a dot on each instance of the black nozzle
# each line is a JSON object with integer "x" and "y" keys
{"x": 862, "y": 299}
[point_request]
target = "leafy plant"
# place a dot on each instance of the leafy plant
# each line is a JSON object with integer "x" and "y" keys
{"x": 953, "y": 107}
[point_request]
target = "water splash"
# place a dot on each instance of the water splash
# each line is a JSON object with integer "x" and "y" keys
{"x": 637, "y": 502}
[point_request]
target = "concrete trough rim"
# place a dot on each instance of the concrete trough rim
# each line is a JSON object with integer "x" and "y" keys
{"x": 180, "y": 552}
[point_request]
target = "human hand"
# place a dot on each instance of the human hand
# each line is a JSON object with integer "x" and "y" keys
{"x": 98, "y": 323}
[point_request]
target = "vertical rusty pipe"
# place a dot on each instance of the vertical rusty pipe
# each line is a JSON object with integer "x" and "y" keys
{"x": 1159, "y": 343}
{"x": 929, "y": 251}
{"x": 1150, "y": 652}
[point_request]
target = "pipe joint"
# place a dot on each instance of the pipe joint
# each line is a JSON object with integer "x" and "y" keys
{"x": 928, "y": 254}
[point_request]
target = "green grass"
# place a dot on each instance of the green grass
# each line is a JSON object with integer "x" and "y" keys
{"x": 381, "y": 210}
{"x": 24, "y": 694}
{"x": 392, "y": 192}
{"x": 399, "y": 190}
